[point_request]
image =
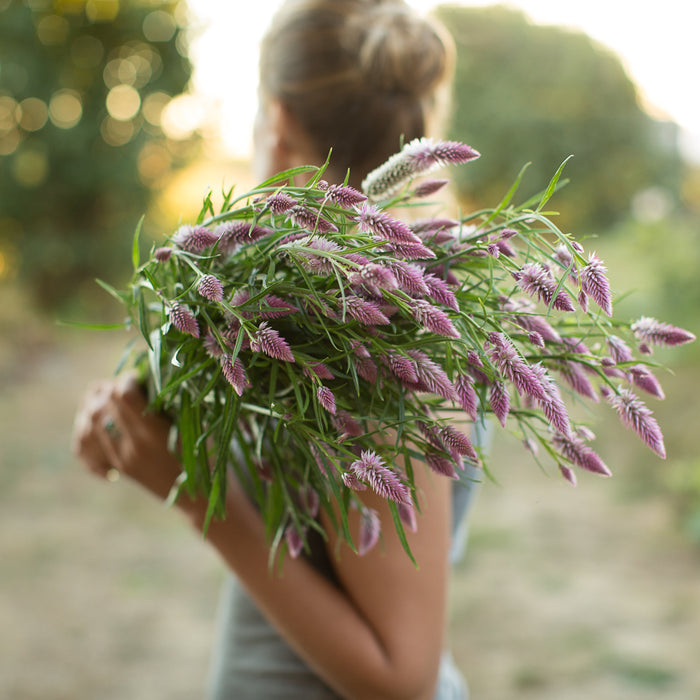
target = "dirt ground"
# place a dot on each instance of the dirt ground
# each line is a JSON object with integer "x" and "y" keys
{"x": 564, "y": 593}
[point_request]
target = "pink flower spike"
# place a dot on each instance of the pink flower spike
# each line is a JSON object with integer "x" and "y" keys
{"x": 365, "y": 312}
{"x": 311, "y": 220}
{"x": 458, "y": 444}
{"x": 594, "y": 282}
{"x": 280, "y": 202}
{"x": 279, "y": 307}
{"x": 268, "y": 341}
{"x": 234, "y": 233}
{"x": 347, "y": 425}
{"x": 441, "y": 292}
{"x": 654, "y": 332}
{"x": 409, "y": 276}
{"x": 234, "y": 373}
{"x": 573, "y": 449}
{"x": 441, "y": 465}
{"x": 352, "y": 482}
{"x": 534, "y": 279}
{"x": 425, "y": 189}
{"x": 163, "y": 254}
{"x": 645, "y": 380}
{"x": 370, "y": 527}
{"x": 433, "y": 319}
{"x": 194, "y": 239}
{"x": 499, "y": 402}
{"x": 568, "y": 474}
{"x": 211, "y": 288}
{"x": 326, "y": 399}
{"x": 513, "y": 367}
{"x": 432, "y": 376}
{"x": 294, "y": 541}
{"x": 346, "y": 196}
{"x": 183, "y": 319}
{"x": 403, "y": 368}
{"x": 619, "y": 350}
{"x": 635, "y": 415}
{"x": 371, "y": 219}
{"x": 407, "y": 514}
{"x": 385, "y": 482}
{"x": 367, "y": 369}
{"x": 468, "y": 400}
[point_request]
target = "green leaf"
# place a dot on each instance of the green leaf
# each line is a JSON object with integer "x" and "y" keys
{"x": 93, "y": 326}
{"x": 135, "y": 249}
{"x": 119, "y": 296}
{"x": 400, "y": 531}
{"x": 553, "y": 183}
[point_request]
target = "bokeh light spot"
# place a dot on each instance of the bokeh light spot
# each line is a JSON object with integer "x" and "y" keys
{"x": 9, "y": 142}
{"x": 159, "y": 26}
{"x": 123, "y": 102}
{"x": 115, "y": 132}
{"x": 153, "y": 106}
{"x": 182, "y": 117}
{"x": 65, "y": 109}
{"x": 10, "y": 114}
{"x": 30, "y": 168}
{"x": 87, "y": 51}
{"x": 34, "y": 114}
{"x": 52, "y": 29}
{"x": 154, "y": 162}
{"x": 101, "y": 10}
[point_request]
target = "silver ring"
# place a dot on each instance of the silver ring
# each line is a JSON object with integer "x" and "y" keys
{"x": 111, "y": 428}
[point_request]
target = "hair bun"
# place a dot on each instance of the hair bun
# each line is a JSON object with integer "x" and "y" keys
{"x": 399, "y": 51}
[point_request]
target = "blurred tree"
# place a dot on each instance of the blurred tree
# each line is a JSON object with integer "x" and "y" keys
{"x": 528, "y": 93}
{"x": 84, "y": 85}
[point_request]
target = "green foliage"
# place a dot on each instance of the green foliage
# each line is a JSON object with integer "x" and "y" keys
{"x": 78, "y": 160}
{"x": 527, "y": 93}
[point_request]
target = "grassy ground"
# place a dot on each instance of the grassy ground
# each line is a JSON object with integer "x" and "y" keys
{"x": 564, "y": 593}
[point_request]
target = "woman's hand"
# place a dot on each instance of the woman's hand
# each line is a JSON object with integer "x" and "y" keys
{"x": 113, "y": 431}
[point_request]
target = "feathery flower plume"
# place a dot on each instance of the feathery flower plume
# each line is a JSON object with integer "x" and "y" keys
{"x": 513, "y": 367}
{"x": 522, "y": 313}
{"x": 504, "y": 248}
{"x": 365, "y": 312}
{"x": 346, "y": 425}
{"x": 403, "y": 368}
{"x": 645, "y": 380}
{"x": 493, "y": 250}
{"x": 535, "y": 280}
{"x": 499, "y": 401}
{"x": 194, "y": 239}
{"x": 441, "y": 464}
{"x": 428, "y": 187}
{"x": 311, "y": 220}
{"x": 619, "y": 350}
{"x": 582, "y": 299}
{"x": 318, "y": 369}
{"x": 371, "y": 219}
{"x": 346, "y": 196}
{"x": 163, "y": 254}
{"x": 231, "y": 234}
{"x": 536, "y": 339}
{"x": 432, "y": 376}
{"x": 367, "y": 369}
{"x": 280, "y": 202}
{"x": 410, "y": 251}
{"x": 635, "y": 415}
{"x": 314, "y": 263}
{"x": 435, "y": 231}
{"x": 279, "y": 307}
{"x": 568, "y": 474}
{"x": 419, "y": 156}
{"x": 370, "y": 527}
{"x": 594, "y": 282}
{"x": 294, "y": 540}
{"x": 183, "y": 319}
{"x": 440, "y": 291}
{"x": 654, "y": 332}
{"x": 211, "y": 288}
{"x": 409, "y": 277}
{"x": 433, "y": 319}
{"x": 552, "y": 406}
{"x": 235, "y": 373}
{"x": 212, "y": 345}
{"x": 268, "y": 341}
{"x": 370, "y": 467}
{"x": 326, "y": 399}
{"x": 457, "y": 444}
{"x": 374, "y": 277}
{"x": 574, "y": 450}
{"x": 576, "y": 378}
{"x": 352, "y": 482}
{"x": 468, "y": 400}
{"x": 407, "y": 515}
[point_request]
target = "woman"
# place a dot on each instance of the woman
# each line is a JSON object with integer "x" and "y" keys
{"x": 358, "y": 77}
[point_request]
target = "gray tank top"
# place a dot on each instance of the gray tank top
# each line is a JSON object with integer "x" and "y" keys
{"x": 252, "y": 662}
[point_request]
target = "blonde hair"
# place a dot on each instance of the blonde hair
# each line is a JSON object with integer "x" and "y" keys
{"x": 359, "y": 76}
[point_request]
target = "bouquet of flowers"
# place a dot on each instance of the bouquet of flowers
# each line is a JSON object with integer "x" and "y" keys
{"x": 318, "y": 342}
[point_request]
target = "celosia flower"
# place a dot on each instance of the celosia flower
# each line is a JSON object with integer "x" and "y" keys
{"x": 346, "y": 425}
{"x": 440, "y": 291}
{"x": 163, "y": 254}
{"x": 344, "y": 195}
{"x": 311, "y": 220}
{"x": 235, "y": 374}
{"x": 326, "y": 399}
{"x": 568, "y": 474}
{"x": 409, "y": 277}
{"x": 435, "y": 231}
{"x": 373, "y": 277}
{"x": 594, "y": 282}
{"x": 619, "y": 350}
{"x": 367, "y": 369}
{"x": 234, "y": 233}
{"x": 311, "y": 261}
{"x": 294, "y": 540}
{"x": 576, "y": 378}
{"x": 211, "y": 288}
{"x": 280, "y": 202}
{"x": 499, "y": 401}
{"x": 573, "y": 449}
{"x": 407, "y": 515}
{"x": 534, "y": 279}
{"x": 552, "y": 406}
{"x": 370, "y": 467}
{"x": 410, "y": 251}
{"x": 432, "y": 376}
{"x": 468, "y": 400}
{"x": 279, "y": 307}
{"x": 433, "y": 319}
{"x": 425, "y": 189}
{"x": 457, "y": 444}
{"x": 403, "y": 368}
{"x": 352, "y": 482}
{"x": 194, "y": 239}
{"x": 513, "y": 367}
{"x": 365, "y": 312}
{"x": 441, "y": 464}
{"x": 419, "y": 156}
{"x": 645, "y": 379}
{"x": 373, "y": 220}
{"x": 268, "y": 341}
{"x": 635, "y": 415}
{"x": 522, "y": 313}
{"x": 370, "y": 527}
{"x": 212, "y": 345}
{"x": 318, "y": 369}
{"x": 183, "y": 319}
{"x": 535, "y": 339}
{"x": 654, "y": 332}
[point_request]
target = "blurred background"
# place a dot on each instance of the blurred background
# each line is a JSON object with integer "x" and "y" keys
{"x": 111, "y": 109}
